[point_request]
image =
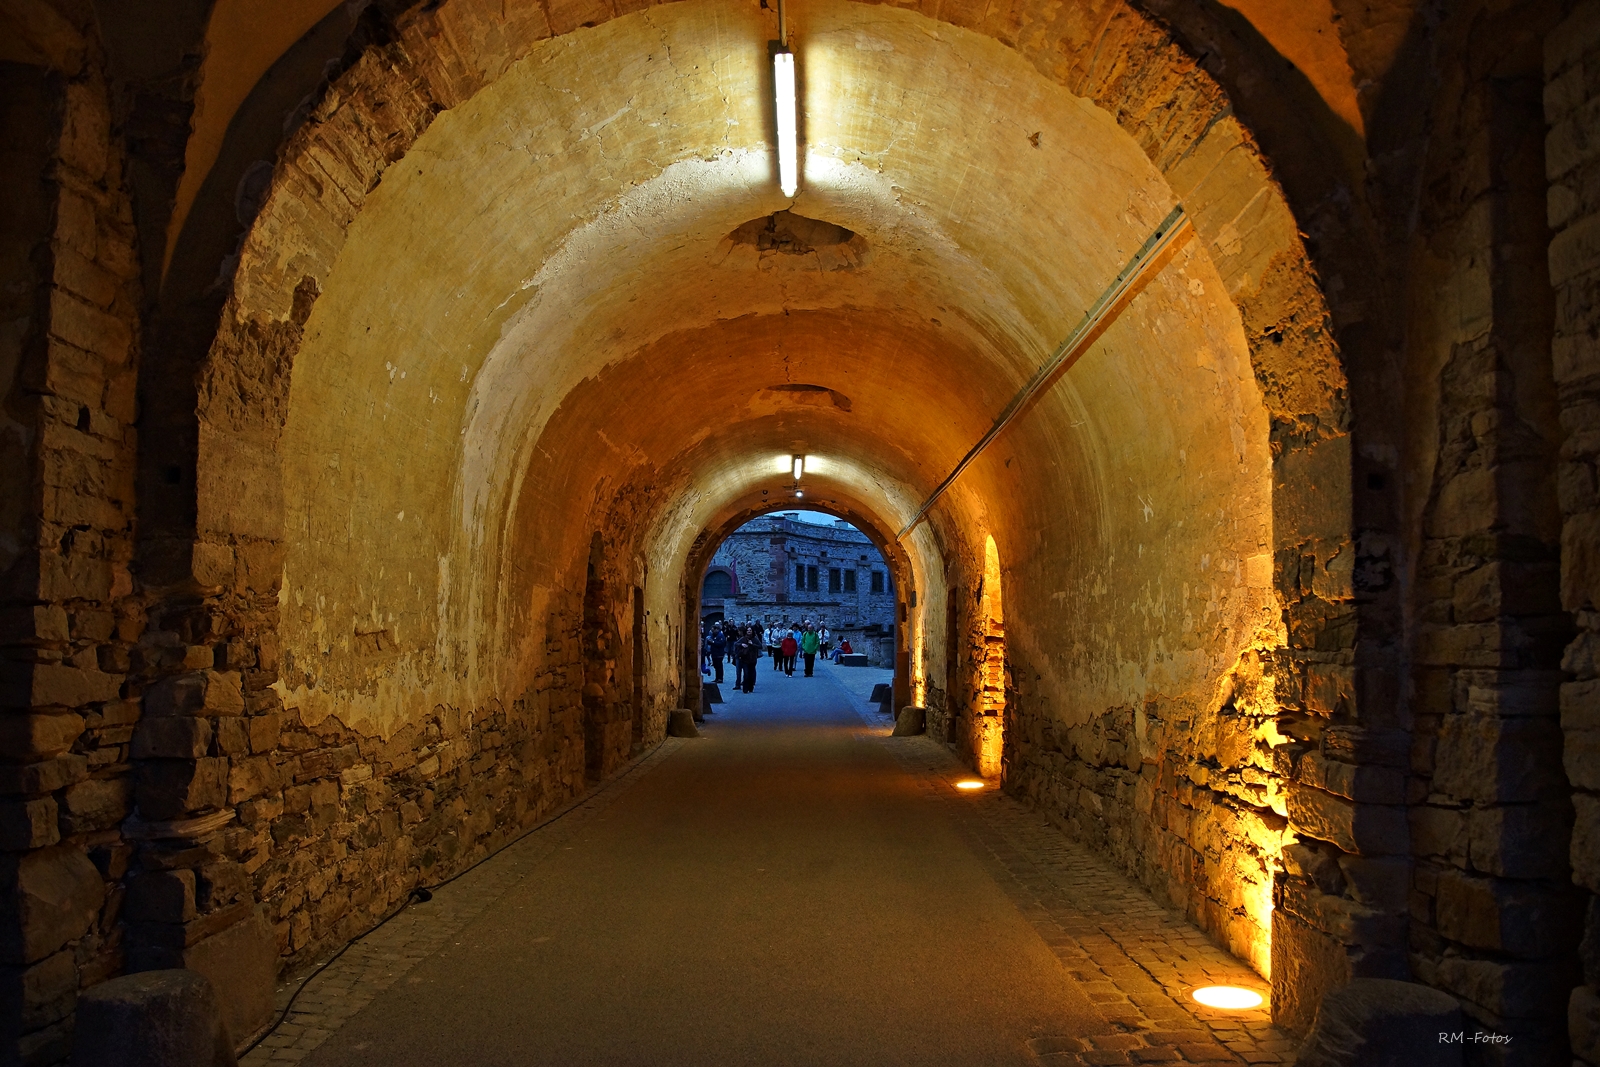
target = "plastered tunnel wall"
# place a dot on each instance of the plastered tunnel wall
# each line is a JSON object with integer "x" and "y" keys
{"x": 446, "y": 379}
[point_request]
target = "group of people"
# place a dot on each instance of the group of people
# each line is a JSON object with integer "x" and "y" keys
{"x": 745, "y": 644}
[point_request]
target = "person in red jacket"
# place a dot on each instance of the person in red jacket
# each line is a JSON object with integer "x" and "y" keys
{"x": 788, "y": 648}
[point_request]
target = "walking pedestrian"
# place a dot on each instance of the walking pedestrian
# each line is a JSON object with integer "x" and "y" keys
{"x": 809, "y": 642}
{"x": 789, "y": 647}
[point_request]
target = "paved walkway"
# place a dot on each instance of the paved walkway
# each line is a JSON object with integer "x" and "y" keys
{"x": 793, "y": 888}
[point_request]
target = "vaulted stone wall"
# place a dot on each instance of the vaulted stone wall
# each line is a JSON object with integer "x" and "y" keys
{"x": 1324, "y": 722}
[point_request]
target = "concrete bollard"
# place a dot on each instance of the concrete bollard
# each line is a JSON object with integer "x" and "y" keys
{"x": 680, "y": 723}
{"x": 151, "y": 1019}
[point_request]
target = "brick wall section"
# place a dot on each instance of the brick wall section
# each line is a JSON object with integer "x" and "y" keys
{"x": 1572, "y": 160}
{"x": 69, "y": 622}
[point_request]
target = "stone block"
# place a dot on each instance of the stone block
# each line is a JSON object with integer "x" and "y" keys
{"x": 206, "y": 692}
{"x": 1585, "y": 854}
{"x": 1580, "y": 547}
{"x": 168, "y": 789}
{"x": 161, "y": 897}
{"x": 1503, "y": 760}
{"x": 46, "y": 776}
{"x": 1367, "y": 747}
{"x": 1583, "y": 1023}
{"x": 1521, "y": 919}
{"x": 36, "y": 996}
{"x": 1347, "y": 921}
{"x": 167, "y": 1018}
{"x": 1306, "y": 964}
{"x": 1375, "y": 1022}
{"x": 47, "y": 898}
{"x": 34, "y": 735}
{"x": 1573, "y": 251}
{"x": 96, "y": 804}
{"x": 911, "y": 721}
{"x": 87, "y": 327}
{"x": 56, "y": 684}
{"x": 264, "y": 731}
{"x": 680, "y": 723}
{"x": 1366, "y": 829}
{"x": 181, "y": 737}
{"x": 242, "y": 963}
{"x": 1381, "y": 883}
{"x": 26, "y": 824}
{"x": 1368, "y": 784}
{"x": 1520, "y": 840}
{"x": 1508, "y": 990}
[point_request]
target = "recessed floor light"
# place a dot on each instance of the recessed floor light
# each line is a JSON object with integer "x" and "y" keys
{"x": 970, "y": 783}
{"x": 1228, "y": 997}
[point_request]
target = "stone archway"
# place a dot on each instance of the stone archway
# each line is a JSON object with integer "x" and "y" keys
{"x": 499, "y": 568}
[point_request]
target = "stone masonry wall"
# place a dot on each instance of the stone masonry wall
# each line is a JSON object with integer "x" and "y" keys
{"x": 1489, "y": 816}
{"x": 68, "y": 353}
{"x": 1572, "y": 161}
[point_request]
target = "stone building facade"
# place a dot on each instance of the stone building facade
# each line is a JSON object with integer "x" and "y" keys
{"x": 780, "y": 568}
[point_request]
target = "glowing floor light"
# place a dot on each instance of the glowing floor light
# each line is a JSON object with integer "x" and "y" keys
{"x": 783, "y": 79}
{"x": 970, "y": 783}
{"x": 1229, "y": 997}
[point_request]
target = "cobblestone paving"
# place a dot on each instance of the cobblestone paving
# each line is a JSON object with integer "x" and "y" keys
{"x": 383, "y": 956}
{"x": 1136, "y": 960}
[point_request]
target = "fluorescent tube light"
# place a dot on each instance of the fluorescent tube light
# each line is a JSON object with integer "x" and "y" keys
{"x": 783, "y": 80}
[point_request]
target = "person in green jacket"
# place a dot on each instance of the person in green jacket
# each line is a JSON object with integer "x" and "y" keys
{"x": 809, "y": 643}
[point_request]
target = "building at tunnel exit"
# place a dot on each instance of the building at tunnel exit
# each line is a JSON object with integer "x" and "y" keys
{"x": 1217, "y": 382}
{"x": 784, "y": 569}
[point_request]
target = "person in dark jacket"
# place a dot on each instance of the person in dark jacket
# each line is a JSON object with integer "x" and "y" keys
{"x": 748, "y": 652}
{"x": 719, "y": 648}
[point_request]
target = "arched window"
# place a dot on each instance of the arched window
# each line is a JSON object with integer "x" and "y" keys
{"x": 719, "y": 584}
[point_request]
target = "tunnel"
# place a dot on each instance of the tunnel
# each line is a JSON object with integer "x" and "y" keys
{"x": 1215, "y": 380}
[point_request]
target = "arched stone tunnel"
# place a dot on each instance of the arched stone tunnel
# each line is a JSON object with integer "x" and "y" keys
{"x": 381, "y": 378}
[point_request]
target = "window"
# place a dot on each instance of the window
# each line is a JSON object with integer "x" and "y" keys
{"x": 719, "y": 584}
{"x": 849, "y": 581}
{"x": 799, "y": 577}
{"x": 835, "y": 580}
{"x": 877, "y": 581}
{"x": 811, "y": 579}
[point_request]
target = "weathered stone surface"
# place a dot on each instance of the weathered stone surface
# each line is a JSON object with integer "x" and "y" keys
{"x": 1375, "y": 1022}
{"x": 26, "y": 824}
{"x": 33, "y": 736}
{"x": 50, "y": 897}
{"x": 202, "y": 693}
{"x": 168, "y": 789}
{"x": 166, "y": 1018}
{"x": 34, "y": 997}
{"x": 1521, "y": 918}
{"x": 681, "y": 724}
{"x": 241, "y": 962}
{"x": 910, "y": 722}
{"x": 96, "y": 804}
{"x": 161, "y": 896}
{"x": 171, "y": 738}
{"x": 1368, "y": 829}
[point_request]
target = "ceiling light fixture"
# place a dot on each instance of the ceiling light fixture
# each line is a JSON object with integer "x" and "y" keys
{"x": 799, "y": 467}
{"x": 783, "y": 89}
